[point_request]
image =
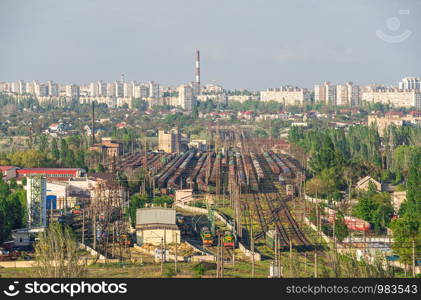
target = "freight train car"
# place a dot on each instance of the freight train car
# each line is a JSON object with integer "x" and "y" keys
{"x": 257, "y": 167}
{"x": 273, "y": 166}
{"x": 350, "y": 222}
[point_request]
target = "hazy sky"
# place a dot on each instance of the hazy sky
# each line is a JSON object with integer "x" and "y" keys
{"x": 243, "y": 43}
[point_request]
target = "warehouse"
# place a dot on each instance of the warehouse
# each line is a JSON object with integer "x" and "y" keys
{"x": 156, "y": 225}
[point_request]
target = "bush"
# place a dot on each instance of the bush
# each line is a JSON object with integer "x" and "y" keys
{"x": 169, "y": 272}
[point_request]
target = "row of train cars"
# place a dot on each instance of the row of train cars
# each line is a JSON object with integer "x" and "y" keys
{"x": 201, "y": 170}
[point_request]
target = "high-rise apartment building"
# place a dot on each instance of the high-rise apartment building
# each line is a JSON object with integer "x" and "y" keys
{"x": 73, "y": 91}
{"x": 325, "y": 93}
{"x": 410, "y": 83}
{"x": 111, "y": 90}
{"x": 153, "y": 89}
{"x": 119, "y": 92}
{"x": 94, "y": 89}
{"x": 128, "y": 88}
{"x": 53, "y": 90}
{"x": 40, "y": 89}
{"x": 186, "y": 96}
{"x": 347, "y": 94}
{"x": 141, "y": 91}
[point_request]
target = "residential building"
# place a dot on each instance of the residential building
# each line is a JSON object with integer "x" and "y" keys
{"x": 40, "y": 90}
{"x": 394, "y": 97}
{"x": 141, "y": 91}
{"x": 347, "y": 94}
{"x": 185, "y": 97}
{"x": 52, "y": 89}
{"x": 325, "y": 93}
{"x": 111, "y": 90}
{"x": 119, "y": 92}
{"x": 153, "y": 89}
{"x": 128, "y": 89}
{"x": 410, "y": 83}
{"x": 242, "y": 98}
{"x": 286, "y": 95}
{"x": 94, "y": 89}
{"x": 396, "y": 119}
{"x": 72, "y": 91}
{"x": 364, "y": 184}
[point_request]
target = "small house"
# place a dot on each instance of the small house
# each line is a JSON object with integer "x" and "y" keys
{"x": 364, "y": 183}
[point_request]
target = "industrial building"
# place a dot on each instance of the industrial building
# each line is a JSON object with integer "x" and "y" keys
{"x": 169, "y": 141}
{"x": 156, "y": 225}
{"x": 64, "y": 173}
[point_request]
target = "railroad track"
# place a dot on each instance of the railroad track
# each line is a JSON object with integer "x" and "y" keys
{"x": 258, "y": 208}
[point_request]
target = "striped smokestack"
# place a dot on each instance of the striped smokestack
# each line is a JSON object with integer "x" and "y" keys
{"x": 198, "y": 67}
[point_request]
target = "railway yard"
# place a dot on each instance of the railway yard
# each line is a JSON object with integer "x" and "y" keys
{"x": 254, "y": 186}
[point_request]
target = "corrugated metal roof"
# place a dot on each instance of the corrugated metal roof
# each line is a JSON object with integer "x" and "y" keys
{"x": 155, "y": 215}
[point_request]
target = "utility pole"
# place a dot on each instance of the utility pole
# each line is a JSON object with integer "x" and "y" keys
{"x": 315, "y": 264}
{"x": 83, "y": 226}
{"x": 290, "y": 257}
{"x": 162, "y": 256}
{"x": 176, "y": 257}
{"x": 252, "y": 245}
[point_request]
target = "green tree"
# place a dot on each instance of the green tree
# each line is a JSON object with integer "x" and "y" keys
{"x": 136, "y": 201}
{"x": 407, "y": 228}
{"x": 57, "y": 254}
{"x": 54, "y": 149}
{"x": 341, "y": 230}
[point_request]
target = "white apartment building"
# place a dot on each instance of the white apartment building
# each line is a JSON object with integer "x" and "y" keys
{"x": 128, "y": 88}
{"x": 18, "y": 87}
{"x": 185, "y": 96}
{"x": 216, "y": 98}
{"x": 72, "y": 91}
{"x": 52, "y": 88}
{"x": 40, "y": 89}
{"x": 153, "y": 89}
{"x": 93, "y": 89}
{"x": 141, "y": 91}
{"x": 325, "y": 93}
{"x": 242, "y": 98}
{"x": 347, "y": 94}
{"x": 4, "y": 87}
{"x": 212, "y": 89}
{"x": 394, "y": 97}
{"x": 287, "y": 95}
{"x": 410, "y": 83}
{"x": 119, "y": 92}
{"x": 111, "y": 90}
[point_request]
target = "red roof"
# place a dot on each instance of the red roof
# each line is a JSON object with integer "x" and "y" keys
{"x": 48, "y": 171}
{"x": 6, "y": 168}
{"x": 121, "y": 125}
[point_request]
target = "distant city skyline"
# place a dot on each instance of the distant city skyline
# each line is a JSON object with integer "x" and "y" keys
{"x": 243, "y": 44}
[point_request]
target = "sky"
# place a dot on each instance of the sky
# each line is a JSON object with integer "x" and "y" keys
{"x": 254, "y": 44}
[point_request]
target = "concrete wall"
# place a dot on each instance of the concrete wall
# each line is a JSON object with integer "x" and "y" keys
{"x": 169, "y": 257}
{"x": 153, "y": 236}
